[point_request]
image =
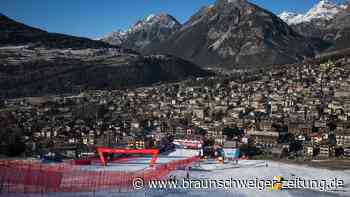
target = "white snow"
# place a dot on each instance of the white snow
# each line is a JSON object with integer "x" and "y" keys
{"x": 247, "y": 170}
{"x": 291, "y": 17}
{"x": 150, "y": 17}
{"x": 324, "y": 9}
{"x": 250, "y": 170}
{"x": 344, "y": 7}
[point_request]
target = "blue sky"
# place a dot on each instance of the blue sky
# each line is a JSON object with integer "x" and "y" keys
{"x": 96, "y": 18}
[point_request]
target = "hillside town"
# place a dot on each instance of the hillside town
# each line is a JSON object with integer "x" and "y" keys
{"x": 271, "y": 113}
{"x": 167, "y": 98}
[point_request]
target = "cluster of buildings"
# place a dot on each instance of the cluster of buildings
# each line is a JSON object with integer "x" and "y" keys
{"x": 301, "y": 110}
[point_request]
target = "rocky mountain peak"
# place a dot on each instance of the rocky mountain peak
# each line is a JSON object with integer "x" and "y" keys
{"x": 163, "y": 20}
{"x": 235, "y": 33}
{"x": 231, "y": 6}
{"x": 151, "y": 29}
{"x": 219, "y": 3}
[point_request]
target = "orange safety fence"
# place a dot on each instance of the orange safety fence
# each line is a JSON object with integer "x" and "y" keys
{"x": 35, "y": 177}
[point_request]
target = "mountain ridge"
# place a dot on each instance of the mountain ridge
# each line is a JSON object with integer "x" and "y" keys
{"x": 16, "y": 33}
{"x": 235, "y": 33}
{"x": 35, "y": 62}
{"x": 330, "y": 25}
{"x": 323, "y": 10}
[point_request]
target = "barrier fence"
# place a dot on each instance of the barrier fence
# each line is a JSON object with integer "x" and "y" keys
{"x": 24, "y": 177}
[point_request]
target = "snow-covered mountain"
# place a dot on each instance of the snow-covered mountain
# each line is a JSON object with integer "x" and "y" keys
{"x": 291, "y": 17}
{"x": 115, "y": 38}
{"x": 326, "y": 20}
{"x": 152, "y": 29}
{"x": 324, "y": 10}
{"x": 165, "y": 21}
